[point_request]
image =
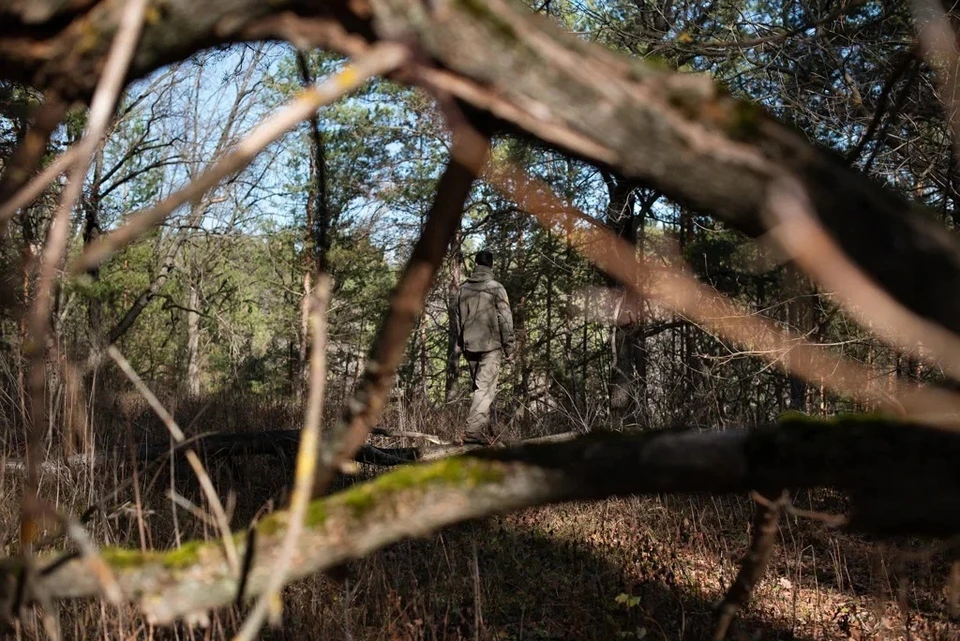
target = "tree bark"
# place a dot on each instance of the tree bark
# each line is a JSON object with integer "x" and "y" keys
{"x": 318, "y": 220}
{"x": 91, "y": 232}
{"x": 799, "y": 319}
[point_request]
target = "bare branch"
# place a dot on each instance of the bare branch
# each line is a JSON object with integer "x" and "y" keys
{"x": 765, "y": 529}
{"x": 430, "y": 438}
{"x": 100, "y": 568}
{"x": 205, "y": 483}
{"x": 907, "y": 61}
{"x": 378, "y": 60}
{"x": 27, "y": 156}
{"x": 35, "y": 187}
{"x": 795, "y": 228}
{"x": 942, "y": 52}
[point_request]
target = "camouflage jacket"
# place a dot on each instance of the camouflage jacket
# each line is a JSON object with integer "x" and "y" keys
{"x": 485, "y": 322}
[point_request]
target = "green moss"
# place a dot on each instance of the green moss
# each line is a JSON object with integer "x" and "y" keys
{"x": 120, "y": 558}
{"x": 359, "y": 500}
{"x": 316, "y": 513}
{"x": 185, "y": 555}
{"x": 794, "y": 416}
{"x": 459, "y": 471}
{"x": 456, "y": 472}
{"x": 271, "y": 524}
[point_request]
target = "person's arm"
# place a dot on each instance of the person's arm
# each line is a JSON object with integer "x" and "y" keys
{"x": 505, "y": 318}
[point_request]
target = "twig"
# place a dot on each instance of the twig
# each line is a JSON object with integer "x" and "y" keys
{"x": 205, "y": 483}
{"x": 430, "y": 438}
{"x": 190, "y": 507}
{"x": 101, "y": 108}
{"x": 907, "y": 60}
{"x": 362, "y": 411}
{"x": 477, "y": 607}
{"x": 306, "y": 458}
{"x": 380, "y": 59}
{"x": 250, "y": 548}
{"x": 754, "y": 563}
{"x": 91, "y": 554}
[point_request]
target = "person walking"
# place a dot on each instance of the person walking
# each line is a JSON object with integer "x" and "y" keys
{"x": 485, "y": 338}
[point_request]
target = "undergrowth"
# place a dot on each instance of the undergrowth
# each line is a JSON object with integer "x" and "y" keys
{"x": 635, "y": 568}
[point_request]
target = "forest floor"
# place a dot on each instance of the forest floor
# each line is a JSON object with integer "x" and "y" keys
{"x": 634, "y": 568}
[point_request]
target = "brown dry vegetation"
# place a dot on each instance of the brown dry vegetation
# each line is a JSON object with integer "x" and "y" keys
{"x": 646, "y": 567}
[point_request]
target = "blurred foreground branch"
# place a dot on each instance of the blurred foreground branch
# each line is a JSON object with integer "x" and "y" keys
{"x": 901, "y": 480}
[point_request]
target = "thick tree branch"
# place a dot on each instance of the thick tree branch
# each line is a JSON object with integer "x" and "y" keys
{"x": 902, "y": 479}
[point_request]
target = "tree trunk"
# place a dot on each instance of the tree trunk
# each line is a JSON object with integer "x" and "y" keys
{"x": 91, "y": 232}
{"x": 799, "y": 319}
{"x": 690, "y": 358}
{"x": 424, "y": 361}
{"x": 628, "y": 350}
{"x": 549, "y": 327}
{"x": 317, "y": 224}
{"x": 299, "y": 376}
{"x": 453, "y": 316}
{"x": 193, "y": 340}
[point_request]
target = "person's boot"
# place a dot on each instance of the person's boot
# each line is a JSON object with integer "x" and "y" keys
{"x": 475, "y": 438}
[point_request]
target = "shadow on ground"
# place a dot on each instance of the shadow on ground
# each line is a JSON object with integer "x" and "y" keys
{"x": 576, "y": 571}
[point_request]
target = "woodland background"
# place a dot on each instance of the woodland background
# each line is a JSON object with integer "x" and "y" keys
{"x": 208, "y": 308}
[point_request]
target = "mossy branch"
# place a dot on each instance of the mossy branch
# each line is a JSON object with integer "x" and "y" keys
{"x": 902, "y": 479}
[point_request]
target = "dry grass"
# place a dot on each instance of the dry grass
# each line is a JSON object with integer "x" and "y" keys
{"x": 649, "y": 567}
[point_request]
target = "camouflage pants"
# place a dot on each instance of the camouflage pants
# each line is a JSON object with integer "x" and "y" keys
{"x": 484, "y": 372}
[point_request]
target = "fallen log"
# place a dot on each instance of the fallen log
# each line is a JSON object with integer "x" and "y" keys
{"x": 280, "y": 443}
{"x": 901, "y": 479}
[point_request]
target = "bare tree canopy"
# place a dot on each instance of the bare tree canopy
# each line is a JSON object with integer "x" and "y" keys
{"x": 680, "y": 134}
